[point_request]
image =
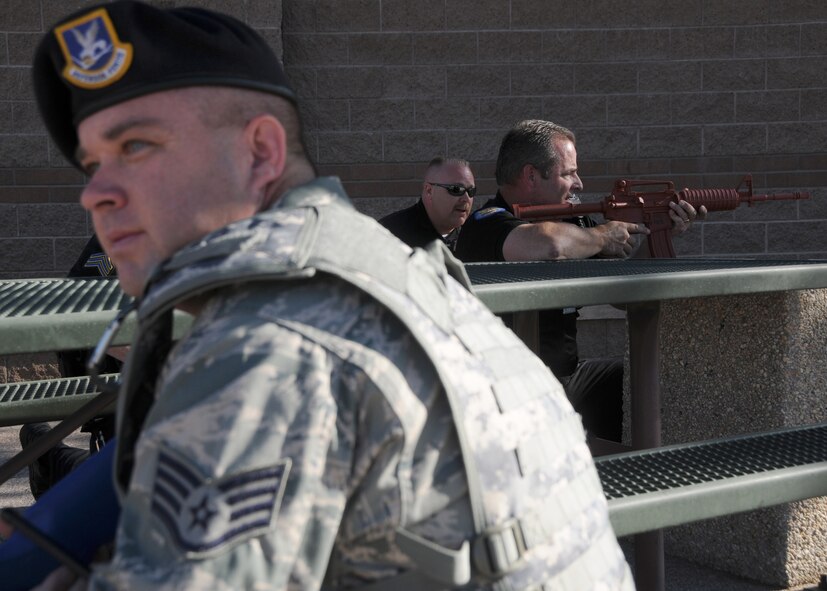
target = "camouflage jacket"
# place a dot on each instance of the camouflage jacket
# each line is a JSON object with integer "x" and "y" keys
{"x": 302, "y": 434}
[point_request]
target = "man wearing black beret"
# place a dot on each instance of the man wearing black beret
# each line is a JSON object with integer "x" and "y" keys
{"x": 333, "y": 418}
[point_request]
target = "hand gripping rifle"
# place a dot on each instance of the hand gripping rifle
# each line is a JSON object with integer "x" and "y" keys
{"x": 650, "y": 206}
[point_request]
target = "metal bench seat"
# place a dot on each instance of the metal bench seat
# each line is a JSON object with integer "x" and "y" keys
{"x": 46, "y": 400}
{"x": 668, "y": 486}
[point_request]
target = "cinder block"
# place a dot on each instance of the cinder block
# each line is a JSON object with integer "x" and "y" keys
{"x": 383, "y": 114}
{"x": 348, "y": 148}
{"x": 605, "y": 78}
{"x": 541, "y": 80}
{"x": 727, "y": 237}
{"x": 414, "y": 82}
{"x": 476, "y": 80}
{"x": 404, "y": 15}
{"x": 21, "y": 48}
{"x": 325, "y": 115}
{"x": 802, "y": 236}
{"x": 673, "y": 141}
{"x": 565, "y": 46}
{"x": 794, "y": 73}
{"x": 530, "y": 14}
{"x": 782, "y": 105}
{"x": 53, "y": 219}
{"x": 609, "y": 13}
{"x": 8, "y": 221}
{"x": 576, "y": 111}
{"x": 734, "y": 12}
{"x": 703, "y": 107}
{"x": 510, "y": 47}
{"x": 607, "y": 143}
{"x": 670, "y": 77}
{"x": 794, "y": 138}
{"x": 503, "y": 113}
{"x": 348, "y": 15}
{"x": 452, "y": 113}
{"x": 702, "y": 43}
{"x": 413, "y": 146}
{"x": 774, "y": 41}
{"x": 734, "y": 74}
{"x": 735, "y": 139}
{"x": 476, "y": 14}
{"x": 350, "y": 82}
{"x": 450, "y": 47}
{"x": 19, "y": 15}
{"x": 475, "y": 145}
{"x": 640, "y": 109}
{"x": 380, "y": 49}
{"x": 20, "y": 151}
{"x": 27, "y": 255}
{"x": 309, "y": 49}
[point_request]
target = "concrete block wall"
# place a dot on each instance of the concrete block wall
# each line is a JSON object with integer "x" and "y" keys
{"x": 695, "y": 91}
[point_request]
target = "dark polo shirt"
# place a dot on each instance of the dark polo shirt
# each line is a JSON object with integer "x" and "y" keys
{"x": 413, "y": 227}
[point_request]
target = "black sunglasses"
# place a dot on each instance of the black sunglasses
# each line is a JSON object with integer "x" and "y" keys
{"x": 456, "y": 190}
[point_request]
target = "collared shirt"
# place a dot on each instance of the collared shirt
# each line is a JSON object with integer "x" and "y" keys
{"x": 413, "y": 227}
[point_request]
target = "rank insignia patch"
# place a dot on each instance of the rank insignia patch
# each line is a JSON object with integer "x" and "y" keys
{"x": 95, "y": 57}
{"x": 101, "y": 262}
{"x": 203, "y": 516}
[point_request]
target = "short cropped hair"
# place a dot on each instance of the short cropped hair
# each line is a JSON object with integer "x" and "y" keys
{"x": 440, "y": 161}
{"x": 225, "y": 106}
{"x": 529, "y": 142}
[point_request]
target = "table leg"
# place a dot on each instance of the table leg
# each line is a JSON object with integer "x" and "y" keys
{"x": 644, "y": 379}
{"x": 527, "y": 327}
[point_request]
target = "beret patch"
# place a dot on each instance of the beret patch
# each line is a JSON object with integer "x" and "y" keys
{"x": 95, "y": 57}
{"x": 103, "y": 55}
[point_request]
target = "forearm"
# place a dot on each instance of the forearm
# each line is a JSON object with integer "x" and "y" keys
{"x": 553, "y": 241}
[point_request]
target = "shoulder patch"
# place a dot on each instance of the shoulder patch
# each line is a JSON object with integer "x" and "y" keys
{"x": 203, "y": 516}
{"x": 487, "y": 212}
{"x": 95, "y": 57}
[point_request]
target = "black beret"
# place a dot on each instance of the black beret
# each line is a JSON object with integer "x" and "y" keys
{"x": 113, "y": 52}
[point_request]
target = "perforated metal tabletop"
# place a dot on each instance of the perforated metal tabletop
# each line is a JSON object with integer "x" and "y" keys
{"x": 60, "y": 314}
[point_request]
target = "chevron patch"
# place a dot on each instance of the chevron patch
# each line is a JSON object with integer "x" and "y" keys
{"x": 101, "y": 262}
{"x": 203, "y": 516}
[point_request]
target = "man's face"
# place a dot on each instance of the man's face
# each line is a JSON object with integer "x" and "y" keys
{"x": 159, "y": 179}
{"x": 562, "y": 179}
{"x": 447, "y": 211}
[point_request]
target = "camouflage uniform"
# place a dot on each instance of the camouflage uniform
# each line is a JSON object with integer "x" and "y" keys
{"x": 301, "y": 437}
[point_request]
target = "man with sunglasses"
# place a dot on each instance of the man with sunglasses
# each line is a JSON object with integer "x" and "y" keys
{"x": 537, "y": 164}
{"x": 447, "y": 197}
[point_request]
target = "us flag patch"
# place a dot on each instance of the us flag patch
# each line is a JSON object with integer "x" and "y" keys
{"x": 204, "y": 516}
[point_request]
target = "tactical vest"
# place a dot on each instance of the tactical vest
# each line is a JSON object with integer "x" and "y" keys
{"x": 539, "y": 512}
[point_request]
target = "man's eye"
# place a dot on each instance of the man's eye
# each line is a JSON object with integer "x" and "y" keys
{"x": 90, "y": 168}
{"x": 133, "y": 146}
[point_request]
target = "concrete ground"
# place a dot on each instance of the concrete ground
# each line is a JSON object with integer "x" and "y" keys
{"x": 681, "y": 575}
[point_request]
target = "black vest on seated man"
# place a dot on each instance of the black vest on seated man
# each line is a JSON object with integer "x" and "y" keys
{"x": 413, "y": 227}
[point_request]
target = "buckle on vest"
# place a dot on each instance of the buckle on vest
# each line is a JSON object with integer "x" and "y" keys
{"x": 500, "y": 549}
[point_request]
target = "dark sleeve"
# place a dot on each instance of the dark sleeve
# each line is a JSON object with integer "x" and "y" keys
{"x": 406, "y": 226}
{"x": 482, "y": 236}
{"x": 92, "y": 262}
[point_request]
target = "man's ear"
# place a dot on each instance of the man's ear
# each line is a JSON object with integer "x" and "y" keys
{"x": 266, "y": 141}
{"x": 427, "y": 192}
{"x": 528, "y": 176}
